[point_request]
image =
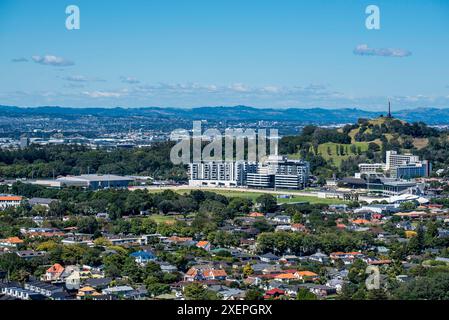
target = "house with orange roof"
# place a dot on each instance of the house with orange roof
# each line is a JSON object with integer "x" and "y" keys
{"x": 298, "y": 227}
{"x": 200, "y": 274}
{"x": 53, "y": 273}
{"x": 204, "y": 245}
{"x": 256, "y": 215}
{"x": 379, "y": 262}
{"x": 87, "y": 291}
{"x": 361, "y": 221}
{"x": 286, "y": 277}
{"x": 179, "y": 240}
{"x": 215, "y": 274}
{"x": 11, "y": 242}
{"x": 193, "y": 274}
{"x": 306, "y": 275}
{"x": 7, "y": 201}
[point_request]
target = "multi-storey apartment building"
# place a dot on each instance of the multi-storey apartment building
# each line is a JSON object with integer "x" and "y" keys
{"x": 220, "y": 173}
{"x": 278, "y": 172}
{"x": 275, "y": 172}
{"x": 393, "y": 159}
{"x": 413, "y": 170}
{"x": 371, "y": 168}
{"x": 406, "y": 166}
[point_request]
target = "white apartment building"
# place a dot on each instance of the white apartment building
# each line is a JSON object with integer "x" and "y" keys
{"x": 393, "y": 160}
{"x": 219, "y": 173}
{"x": 371, "y": 168}
{"x": 275, "y": 172}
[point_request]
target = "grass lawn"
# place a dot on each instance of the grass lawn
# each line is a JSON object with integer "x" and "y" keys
{"x": 329, "y": 151}
{"x": 159, "y": 218}
{"x": 253, "y": 196}
{"x": 311, "y": 200}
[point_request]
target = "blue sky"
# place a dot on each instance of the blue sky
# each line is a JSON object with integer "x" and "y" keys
{"x": 187, "y": 53}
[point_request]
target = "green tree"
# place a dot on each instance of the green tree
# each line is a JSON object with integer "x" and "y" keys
{"x": 305, "y": 294}
{"x": 254, "y": 295}
{"x": 267, "y": 202}
{"x": 196, "y": 291}
{"x": 247, "y": 270}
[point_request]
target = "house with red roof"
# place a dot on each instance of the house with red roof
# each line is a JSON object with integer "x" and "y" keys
{"x": 274, "y": 293}
{"x": 53, "y": 273}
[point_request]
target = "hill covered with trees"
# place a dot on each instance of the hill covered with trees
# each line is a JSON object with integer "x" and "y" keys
{"x": 341, "y": 150}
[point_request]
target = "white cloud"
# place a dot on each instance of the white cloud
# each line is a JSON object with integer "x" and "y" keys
{"x": 81, "y": 78}
{"x": 129, "y": 80}
{"x": 104, "y": 94}
{"x": 365, "y": 50}
{"x": 239, "y": 87}
{"x": 50, "y": 60}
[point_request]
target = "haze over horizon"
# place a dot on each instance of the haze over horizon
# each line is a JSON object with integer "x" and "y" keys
{"x": 224, "y": 106}
{"x": 173, "y": 53}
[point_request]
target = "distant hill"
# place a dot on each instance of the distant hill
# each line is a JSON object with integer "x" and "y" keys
{"x": 431, "y": 116}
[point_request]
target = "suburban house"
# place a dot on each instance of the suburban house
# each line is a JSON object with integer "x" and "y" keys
{"x": 205, "y": 272}
{"x": 318, "y": 257}
{"x": 269, "y": 257}
{"x": 53, "y": 273}
{"x": 298, "y": 227}
{"x": 87, "y": 291}
{"x": 256, "y": 215}
{"x": 11, "y": 242}
{"x": 215, "y": 274}
{"x": 45, "y": 202}
{"x": 322, "y": 291}
{"x": 73, "y": 281}
{"x": 46, "y": 289}
{"x": 345, "y": 255}
{"x": 30, "y": 254}
{"x": 306, "y": 275}
{"x": 143, "y": 257}
{"x": 7, "y": 201}
{"x": 274, "y": 293}
{"x": 204, "y": 245}
{"x": 282, "y": 219}
{"x": 20, "y": 293}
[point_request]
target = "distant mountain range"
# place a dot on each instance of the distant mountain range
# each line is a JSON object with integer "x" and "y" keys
{"x": 431, "y": 116}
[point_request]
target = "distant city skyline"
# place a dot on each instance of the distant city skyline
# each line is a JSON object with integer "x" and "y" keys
{"x": 268, "y": 54}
